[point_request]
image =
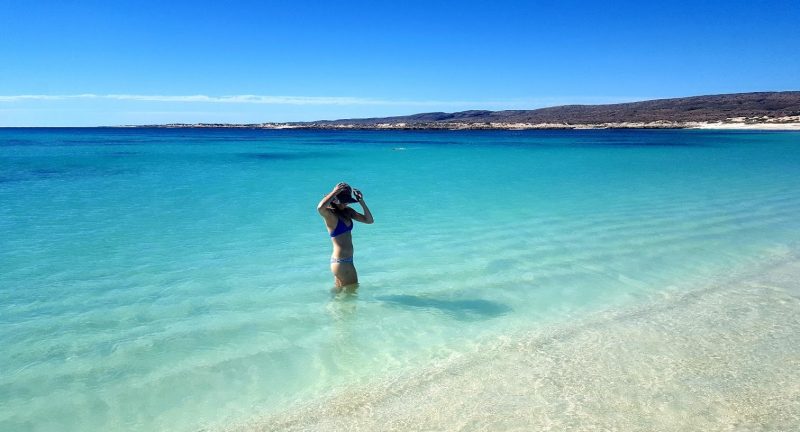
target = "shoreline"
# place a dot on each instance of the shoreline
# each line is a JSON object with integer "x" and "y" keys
{"x": 719, "y": 357}
{"x": 777, "y": 124}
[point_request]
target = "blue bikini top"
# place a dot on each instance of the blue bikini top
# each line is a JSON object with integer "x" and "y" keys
{"x": 341, "y": 228}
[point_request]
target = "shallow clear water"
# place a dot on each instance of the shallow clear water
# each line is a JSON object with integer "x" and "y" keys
{"x": 177, "y": 279}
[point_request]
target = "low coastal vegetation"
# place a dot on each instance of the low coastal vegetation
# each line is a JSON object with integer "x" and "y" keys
{"x": 762, "y": 110}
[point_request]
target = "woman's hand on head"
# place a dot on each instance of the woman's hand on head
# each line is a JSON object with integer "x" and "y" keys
{"x": 358, "y": 195}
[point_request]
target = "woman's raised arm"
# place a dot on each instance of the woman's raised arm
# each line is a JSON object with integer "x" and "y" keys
{"x": 367, "y": 216}
{"x": 326, "y": 200}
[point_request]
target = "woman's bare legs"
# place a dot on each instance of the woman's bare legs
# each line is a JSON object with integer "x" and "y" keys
{"x": 344, "y": 274}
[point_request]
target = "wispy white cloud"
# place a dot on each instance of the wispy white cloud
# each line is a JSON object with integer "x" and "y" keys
{"x": 22, "y": 98}
{"x": 312, "y": 100}
{"x": 233, "y": 99}
{"x": 251, "y": 99}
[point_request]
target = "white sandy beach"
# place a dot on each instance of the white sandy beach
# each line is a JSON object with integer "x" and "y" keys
{"x": 757, "y": 123}
{"x": 750, "y": 126}
{"x": 771, "y": 124}
{"x": 722, "y": 358}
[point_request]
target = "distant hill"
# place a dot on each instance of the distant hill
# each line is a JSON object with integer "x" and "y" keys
{"x": 688, "y": 109}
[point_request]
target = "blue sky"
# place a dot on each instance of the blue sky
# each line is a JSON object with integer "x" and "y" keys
{"x": 85, "y": 63}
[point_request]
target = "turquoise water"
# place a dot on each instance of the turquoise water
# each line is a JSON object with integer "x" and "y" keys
{"x": 178, "y": 279}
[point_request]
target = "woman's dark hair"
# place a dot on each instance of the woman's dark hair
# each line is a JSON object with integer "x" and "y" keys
{"x": 344, "y": 213}
{"x": 346, "y": 196}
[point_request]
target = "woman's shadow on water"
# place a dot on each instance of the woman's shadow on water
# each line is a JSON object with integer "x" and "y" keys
{"x": 464, "y": 310}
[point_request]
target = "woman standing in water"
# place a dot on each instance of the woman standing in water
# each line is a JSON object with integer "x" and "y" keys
{"x": 339, "y": 219}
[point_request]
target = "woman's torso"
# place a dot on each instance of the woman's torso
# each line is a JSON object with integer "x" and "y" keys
{"x": 343, "y": 242}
